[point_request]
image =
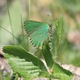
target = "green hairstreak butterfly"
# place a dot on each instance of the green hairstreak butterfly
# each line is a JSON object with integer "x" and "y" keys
{"x": 37, "y": 31}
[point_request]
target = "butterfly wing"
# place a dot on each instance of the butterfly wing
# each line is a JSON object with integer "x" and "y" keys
{"x": 37, "y": 31}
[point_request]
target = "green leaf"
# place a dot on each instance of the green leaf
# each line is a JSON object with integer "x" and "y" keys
{"x": 57, "y": 41}
{"x": 24, "y": 69}
{"x": 60, "y": 73}
{"x": 47, "y": 55}
{"x": 37, "y": 31}
{"x": 44, "y": 74}
{"x": 23, "y": 54}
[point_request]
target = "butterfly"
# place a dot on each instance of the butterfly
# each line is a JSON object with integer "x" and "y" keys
{"x": 37, "y": 31}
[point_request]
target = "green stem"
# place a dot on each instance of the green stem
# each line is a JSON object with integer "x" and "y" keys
{"x": 8, "y": 32}
{"x": 29, "y": 15}
{"x": 23, "y": 33}
{"x": 29, "y": 7}
{"x": 22, "y": 29}
{"x": 0, "y": 33}
{"x": 9, "y": 19}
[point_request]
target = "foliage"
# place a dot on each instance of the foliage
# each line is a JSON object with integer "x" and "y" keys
{"x": 58, "y": 40}
{"x": 18, "y": 11}
{"x": 28, "y": 66}
{"x": 48, "y": 44}
{"x": 61, "y": 73}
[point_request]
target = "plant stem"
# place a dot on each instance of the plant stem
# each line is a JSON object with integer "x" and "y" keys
{"x": 0, "y": 36}
{"x": 29, "y": 6}
{"x": 7, "y": 31}
{"x": 28, "y": 12}
{"x": 9, "y": 19}
{"x": 22, "y": 24}
{"x": 22, "y": 29}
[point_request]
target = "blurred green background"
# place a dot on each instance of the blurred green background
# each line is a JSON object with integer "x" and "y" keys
{"x": 13, "y": 13}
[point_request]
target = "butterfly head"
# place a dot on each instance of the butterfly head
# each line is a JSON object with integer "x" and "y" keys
{"x": 50, "y": 25}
